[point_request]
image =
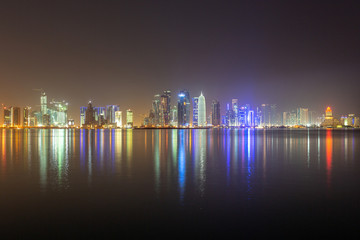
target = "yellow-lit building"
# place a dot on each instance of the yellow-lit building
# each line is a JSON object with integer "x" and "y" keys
{"x": 330, "y": 121}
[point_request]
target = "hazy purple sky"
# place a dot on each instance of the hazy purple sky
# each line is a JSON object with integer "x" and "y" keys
{"x": 293, "y": 53}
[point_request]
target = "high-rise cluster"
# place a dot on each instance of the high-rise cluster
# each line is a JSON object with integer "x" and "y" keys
{"x": 109, "y": 116}
{"x": 300, "y": 117}
{"x": 182, "y": 114}
{"x": 52, "y": 114}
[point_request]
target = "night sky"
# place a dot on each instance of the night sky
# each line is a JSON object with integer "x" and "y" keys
{"x": 292, "y": 53}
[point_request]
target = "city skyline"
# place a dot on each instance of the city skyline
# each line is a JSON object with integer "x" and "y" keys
{"x": 204, "y": 119}
{"x": 182, "y": 112}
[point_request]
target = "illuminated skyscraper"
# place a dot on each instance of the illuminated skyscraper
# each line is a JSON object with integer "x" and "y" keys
{"x": 100, "y": 115}
{"x": 15, "y": 116}
{"x": 184, "y": 108}
{"x": 330, "y": 121}
{"x": 242, "y": 115}
{"x": 234, "y": 103}
{"x": 302, "y": 116}
{"x": 110, "y": 113}
{"x": 174, "y": 116}
{"x": 215, "y": 108}
{"x": 118, "y": 118}
{"x": 269, "y": 115}
{"x": 43, "y": 103}
{"x": 90, "y": 115}
{"x": 129, "y": 118}
{"x": 229, "y": 117}
{"x": 58, "y": 113}
{"x": 235, "y": 115}
{"x": 250, "y": 118}
{"x": 286, "y": 118}
{"x": 165, "y": 107}
{"x": 313, "y": 118}
{"x": 195, "y": 111}
{"x": 202, "y": 110}
{"x": 156, "y": 105}
{"x": 7, "y": 117}
{"x": 82, "y": 115}
{"x": 351, "y": 119}
{"x": 26, "y": 115}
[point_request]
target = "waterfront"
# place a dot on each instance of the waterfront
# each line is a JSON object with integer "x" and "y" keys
{"x": 57, "y": 182}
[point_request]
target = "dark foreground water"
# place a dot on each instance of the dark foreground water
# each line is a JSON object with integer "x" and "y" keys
{"x": 179, "y": 183}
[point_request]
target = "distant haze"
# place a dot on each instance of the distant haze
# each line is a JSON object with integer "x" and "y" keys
{"x": 291, "y": 53}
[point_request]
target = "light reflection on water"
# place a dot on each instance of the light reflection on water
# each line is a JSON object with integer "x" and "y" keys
{"x": 190, "y": 162}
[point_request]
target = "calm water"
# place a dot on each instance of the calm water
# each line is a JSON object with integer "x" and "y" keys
{"x": 62, "y": 183}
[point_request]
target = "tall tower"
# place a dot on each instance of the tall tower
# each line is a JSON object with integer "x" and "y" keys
{"x": 7, "y": 117}
{"x": 165, "y": 107}
{"x": 43, "y": 103}
{"x": 156, "y": 105}
{"x": 184, "y": 108}
{"x": 15, "y": 116}
{"x": 202, "y": 110}
{"x": 328, "y": 113}
{"x": 90, "y": 115}
{"x": 26, "y": 115}
{"x": 110, "y": 113}
{"x": 215, "y": 108}
{"x": 118, "y": 118}
{"x": 129, "y": 118}
{"x": 82, "y": 115}
{"x": 302, "y": 116}
{"x": 195, "y": 111}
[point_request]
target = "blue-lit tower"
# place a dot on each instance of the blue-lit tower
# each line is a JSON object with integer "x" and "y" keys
{"x": 184, "y": 109}
{"x": 251, "y": 118}
{"x": 82, "y": 115}
{"x": 110, "y": 113}
{"x": 229, "y": 116}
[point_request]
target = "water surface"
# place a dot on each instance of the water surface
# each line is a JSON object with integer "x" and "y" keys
{"x": 208, "y": 182}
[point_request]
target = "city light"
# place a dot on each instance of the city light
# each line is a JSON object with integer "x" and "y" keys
{"x": 164, "y": 114}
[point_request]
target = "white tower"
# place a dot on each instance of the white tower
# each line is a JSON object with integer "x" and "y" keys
{"x": 118, "y": 118}
{"x": 202, "y": 111}
{"x": 43, "y": 102}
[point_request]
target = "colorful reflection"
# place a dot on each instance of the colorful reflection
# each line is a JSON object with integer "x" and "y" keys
{"x": 182, "y": 164}
{"x": 329, "y": 154}
{"x": 185, "y": 162}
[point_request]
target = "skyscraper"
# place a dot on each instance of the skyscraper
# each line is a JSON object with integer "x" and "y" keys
{"x": 229, "y": 117}
{"x": 174, "y": 116}
{"x": 269, "y": 115}
{"x": 100, "y": 115}
{"x": 302, "y": 116}
{"x": 250, "y": 119}
{"x": 90, "y": 115}
{"x": 129, "y": 118}
{"x": 58, "y": 113}
{"x": 82, "y": 115}
{"x": 7, "y": 117}
{"x": 110, "y": 113}
{"x": 202, "y": 111}
{"x": 195, "y": 111}
{"x": 15, "y": 116}
{"x": 165, "y": 107}
{"x": 235, "y": 115}
{"x": 26, "y": 119}
{"x": 118, "y": 118}
{"x": 184, "y": 108}
{"x": 156, "y": 105}
{"x": 215, "y": 113}
{"x": 43, "y": 103}
{"x": 273, "y": 115}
